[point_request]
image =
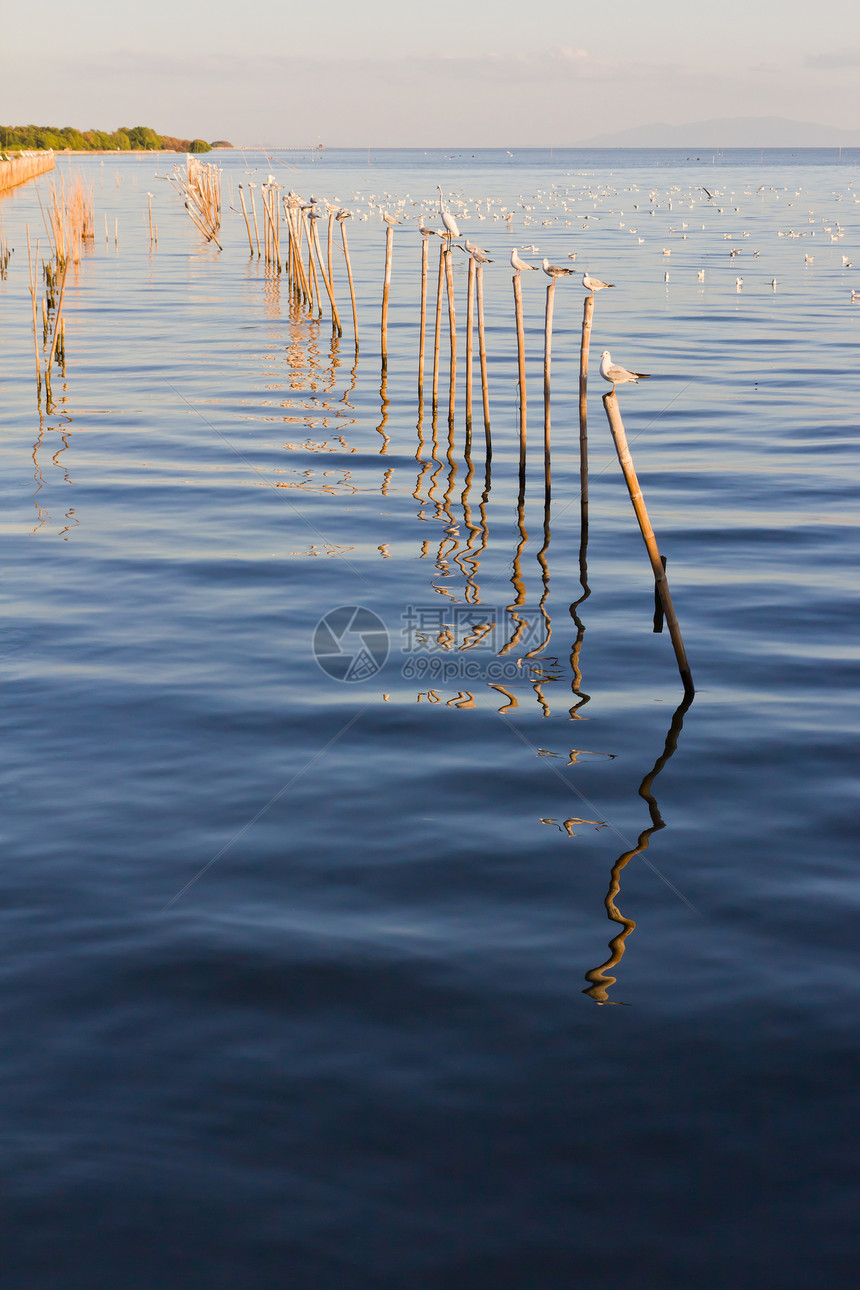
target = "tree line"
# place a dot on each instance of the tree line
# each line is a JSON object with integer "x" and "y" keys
{"x": 125, "y": 139}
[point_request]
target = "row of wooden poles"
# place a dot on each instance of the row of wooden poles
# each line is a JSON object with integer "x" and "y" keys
{"x": 305, "y": 269}
{"x": 474, "y": 294}
{"x": 17, "y": 170}
{"x": 286, "y": 217}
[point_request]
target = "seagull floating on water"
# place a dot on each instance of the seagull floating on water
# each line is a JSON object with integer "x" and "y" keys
{"x": 618, "y": 375}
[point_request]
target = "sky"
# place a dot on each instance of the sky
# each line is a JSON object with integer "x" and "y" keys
{"x": 380, "y": 74}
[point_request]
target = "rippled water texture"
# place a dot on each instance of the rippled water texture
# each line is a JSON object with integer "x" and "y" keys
{"x": 312, "y": 982}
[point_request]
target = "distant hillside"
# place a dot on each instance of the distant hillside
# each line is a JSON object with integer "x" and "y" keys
{"x": 125, "y": 139}
{"x": 729, "y": 132}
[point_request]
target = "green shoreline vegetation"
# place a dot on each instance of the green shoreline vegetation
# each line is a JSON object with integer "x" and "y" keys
{"x": 125, "y": 139}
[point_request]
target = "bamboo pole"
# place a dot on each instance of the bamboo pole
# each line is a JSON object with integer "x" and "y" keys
{"x": 256, "y": 228}
{"x": 521, "y": 364}
{"x": 349, "y": 275}
{"x": 547, "y": 364}
{"x": 610, "y": 403}
{"x": 245, "y": 213}
{"x": 335, "y": 316}
{"x": 151, "y": 236}
{"x": 470, "y": 319}
{"x": 452, "y": 332}
{"x": 422, "y": 334}
{"x": 438, "y": 326}
{"x": 386, "y": 287}
{"x": 482, "y": 351}
{"x": 328, "y": 253}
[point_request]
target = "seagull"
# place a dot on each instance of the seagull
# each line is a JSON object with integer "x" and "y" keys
{"x": 471, "y": 248}
{"x": 594, "y": 284}
{"x": 701, "y": 275}
{"x": 389, "y": 219}
{"x": 739, "y": 282}
{"x": 480, "y": 257}
{"x": 343, "y": 214}
{"x": 519, "y": 265}
{"x": 618, "y": 375}
{"x": 554, "y": 271}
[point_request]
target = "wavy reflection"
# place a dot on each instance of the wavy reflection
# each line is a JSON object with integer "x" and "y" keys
{"x": 599, "y": 977}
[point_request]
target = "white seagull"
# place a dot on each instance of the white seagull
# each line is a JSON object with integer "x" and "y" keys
{"x": 519, "y": 265}
{"x": 618, "y": 375}
{"x": 594, "y": 284}
{"x": 555, "y": 271}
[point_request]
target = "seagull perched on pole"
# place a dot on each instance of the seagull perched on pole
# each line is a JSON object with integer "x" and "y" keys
{"x": 471, "y": 248}
{"x": 618, "y": 375}
{"x": 519, "y": 265}
{"x": 594, "y": 284}
{"x": 447, "y": 218}
{"x": 554, "y": 270}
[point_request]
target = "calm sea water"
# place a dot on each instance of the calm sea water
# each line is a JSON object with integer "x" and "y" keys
{"x": 314, "y": 982}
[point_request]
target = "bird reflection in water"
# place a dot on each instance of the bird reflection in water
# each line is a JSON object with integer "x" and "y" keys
{"x": 599, "y": 978}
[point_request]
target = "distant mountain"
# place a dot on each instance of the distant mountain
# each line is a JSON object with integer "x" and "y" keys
{"x": 729, "y": 132}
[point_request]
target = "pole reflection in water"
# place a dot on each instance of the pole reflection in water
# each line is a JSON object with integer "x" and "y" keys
{"x": 599, "y": 978}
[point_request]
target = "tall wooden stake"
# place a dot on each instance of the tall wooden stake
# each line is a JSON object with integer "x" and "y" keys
{"x": 547, "y": 364}
{"x": 470, "y": 318}
{"x": 349, "y": 275}
{"x": 438, "y": 328}
{"x": 610, "y": 403}
{"x": 521, "y": 363}
{"x": 386, "y": 287}
{"x": 452, "y": 331}
{"x": 482, "y": 351}
{"x": 422, "y": 333}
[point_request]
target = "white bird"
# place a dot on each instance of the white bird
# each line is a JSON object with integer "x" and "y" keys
{"x": 594, "y": 284}
{"x": 739, "y": 282}
{"x": 555, "y": 271}
{"x": 701, "y": 275}
{"x": 389, "y": 219}
{"x": 618, "y": 375}
{"x": 343, "y": 214}
{"x": 519, "y": 265}
{"x": 480, "y": 257}
{"x": 447, "y": 218}
{"x": 472, "y": 249}
{"x": 665, "y": 277}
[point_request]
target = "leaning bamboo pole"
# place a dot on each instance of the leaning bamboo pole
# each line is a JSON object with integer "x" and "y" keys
{"x": 610, "y": 403}
{"x": 245, "y": 213}
{"x": 335, "y": 316}
{"x": 587, "y": 314}
{"x": 342, "y": 222}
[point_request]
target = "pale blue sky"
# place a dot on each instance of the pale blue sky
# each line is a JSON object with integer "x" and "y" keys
{"x": 382, "y": 74}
